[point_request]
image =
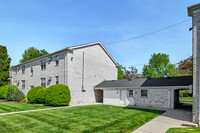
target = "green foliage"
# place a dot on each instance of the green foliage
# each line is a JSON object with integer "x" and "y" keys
{"x": 32, "y": 53}
{"x": 3, "y": 91}
{"x": 120, "y": 72}
{"x": 4, "y": 66}
{"x": 23, "y": 100}
{"x": 185, "y": 67}
{"x": 159, "y": 66}
{"x": 36, "y": 94}
{"x": 14, "y": 94}
{"x": 41, "y": 94}
{"x": 58, "y": 94}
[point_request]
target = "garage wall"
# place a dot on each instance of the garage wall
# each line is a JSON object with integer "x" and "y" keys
{"x": 156, "y": 98}
{"x": 111, "y": 97}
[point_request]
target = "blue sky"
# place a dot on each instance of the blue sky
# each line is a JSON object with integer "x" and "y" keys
{"x": 56, "y": 24}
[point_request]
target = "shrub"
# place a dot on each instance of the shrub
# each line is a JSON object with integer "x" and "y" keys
{"x": 36, "y": 94}
{"x": 58, "y": 95}
{"x": 41, "y": 94}
{"x": 14, "y": 94}
{"x": 23, "y": 100}
{"x": 3, "y": 90}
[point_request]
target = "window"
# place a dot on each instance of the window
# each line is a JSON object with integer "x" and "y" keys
{"x": 23, "y": 69}
{"x": 143, "y": 93}
{"x": 31, "y": 72}
{"x": 15, "y": 69}
{"x": 23, "y": 84}
{"x": 130, "y": 93}
{"x": 32, "y": 86}
{"x": 43, "y": 65}
{"x": 57, "y": 79}
{"x": 57, "y": 60}
{"x": 43, "y": 82}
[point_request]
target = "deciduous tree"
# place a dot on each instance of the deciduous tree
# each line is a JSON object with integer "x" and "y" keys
{"x": 32, "y": 53}
{"x": 159, "y": 66}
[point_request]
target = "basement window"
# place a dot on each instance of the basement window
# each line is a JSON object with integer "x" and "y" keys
{"x": 143, "y": 93}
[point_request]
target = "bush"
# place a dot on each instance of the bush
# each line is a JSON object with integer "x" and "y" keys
{"x": 58, "y": 94}
{"x": 14, "y": 94}
{"x": 36, "y": 94}
{"x": 41, "y": 94}
{"x": 3, "y": 91}
{"x": 23, "y": 100}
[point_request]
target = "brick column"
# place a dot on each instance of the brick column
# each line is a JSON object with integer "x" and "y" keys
{"x": 194, "y": 12}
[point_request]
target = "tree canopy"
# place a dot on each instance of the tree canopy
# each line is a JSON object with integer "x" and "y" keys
{"x": 32, "y": 53}
{"x": 4, "y": 65}
{"x": 185, "y": 67}
{"x": 120, "y": 72}
{"x": 159, "y": 66}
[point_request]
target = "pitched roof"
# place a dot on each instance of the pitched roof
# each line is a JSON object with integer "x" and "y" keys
{"x": 71, "y": 49}
{"x": 147, "y": 82}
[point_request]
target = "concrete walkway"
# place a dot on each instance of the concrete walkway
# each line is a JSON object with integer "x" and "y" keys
{"x": 169, "y": 119}
{"x": 17, "y": 112}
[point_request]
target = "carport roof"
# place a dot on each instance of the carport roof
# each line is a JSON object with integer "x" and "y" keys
{"x": 147, "y": 82}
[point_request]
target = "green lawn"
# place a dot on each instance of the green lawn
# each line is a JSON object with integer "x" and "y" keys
{"x": 12, "y": 107}
{"x": 93, "y": 118}
{"x": 183, "y": 130}
{"x": 186, "y": 98}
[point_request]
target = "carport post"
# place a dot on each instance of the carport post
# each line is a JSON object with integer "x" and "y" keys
{"x": 194, "y": 12}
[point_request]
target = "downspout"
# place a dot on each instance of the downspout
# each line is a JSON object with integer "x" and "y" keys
{"x": 64, "y": 68}
{"x": 169, "y": 99}
{"x": 83, "y": 67}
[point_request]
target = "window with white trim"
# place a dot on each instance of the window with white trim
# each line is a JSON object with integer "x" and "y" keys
{"x": 130, "y": 93}
{"x": 23, "y": 84}
{"x": 57, "y": 60}
{"x": 43, "y": 65}
{"x": 43, "y": 82}
{"x": 143, "y": 93}
{"x": 23, "y": 69}
{"x": 57, "y": 79}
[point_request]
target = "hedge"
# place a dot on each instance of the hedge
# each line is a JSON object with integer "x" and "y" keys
{"x": 57, "y": 95}
{"x": 36, "y": 94}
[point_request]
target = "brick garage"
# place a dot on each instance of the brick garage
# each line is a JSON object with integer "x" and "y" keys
{"x": 160, "y": 93}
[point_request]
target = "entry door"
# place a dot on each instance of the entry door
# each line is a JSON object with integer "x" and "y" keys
{"x": 130, "y": 97}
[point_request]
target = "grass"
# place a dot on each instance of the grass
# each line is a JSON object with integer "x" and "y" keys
{"x": 12, "y": 107}
{"x": 186, "y": 98}
{"x": 84, "y": 119}
{"x": 183, "y": 130}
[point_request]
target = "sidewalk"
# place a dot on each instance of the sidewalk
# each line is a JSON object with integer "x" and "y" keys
{"x": 46, "y": 109}
{"x": 169, "y": 119}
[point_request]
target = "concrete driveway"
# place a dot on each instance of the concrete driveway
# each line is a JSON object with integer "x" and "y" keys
{"x": 169, "y": 119}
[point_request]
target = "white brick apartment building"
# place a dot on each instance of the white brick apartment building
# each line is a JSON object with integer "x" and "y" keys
{"x": 80, "y": 68}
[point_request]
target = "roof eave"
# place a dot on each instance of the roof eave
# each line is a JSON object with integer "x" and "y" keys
{"x": 44, "y": 56}
{"x": 155, "y": 87}
{"x": 192, "y": 8}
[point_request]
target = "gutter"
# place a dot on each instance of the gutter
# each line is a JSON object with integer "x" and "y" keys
{"x": 156, "y": 87}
